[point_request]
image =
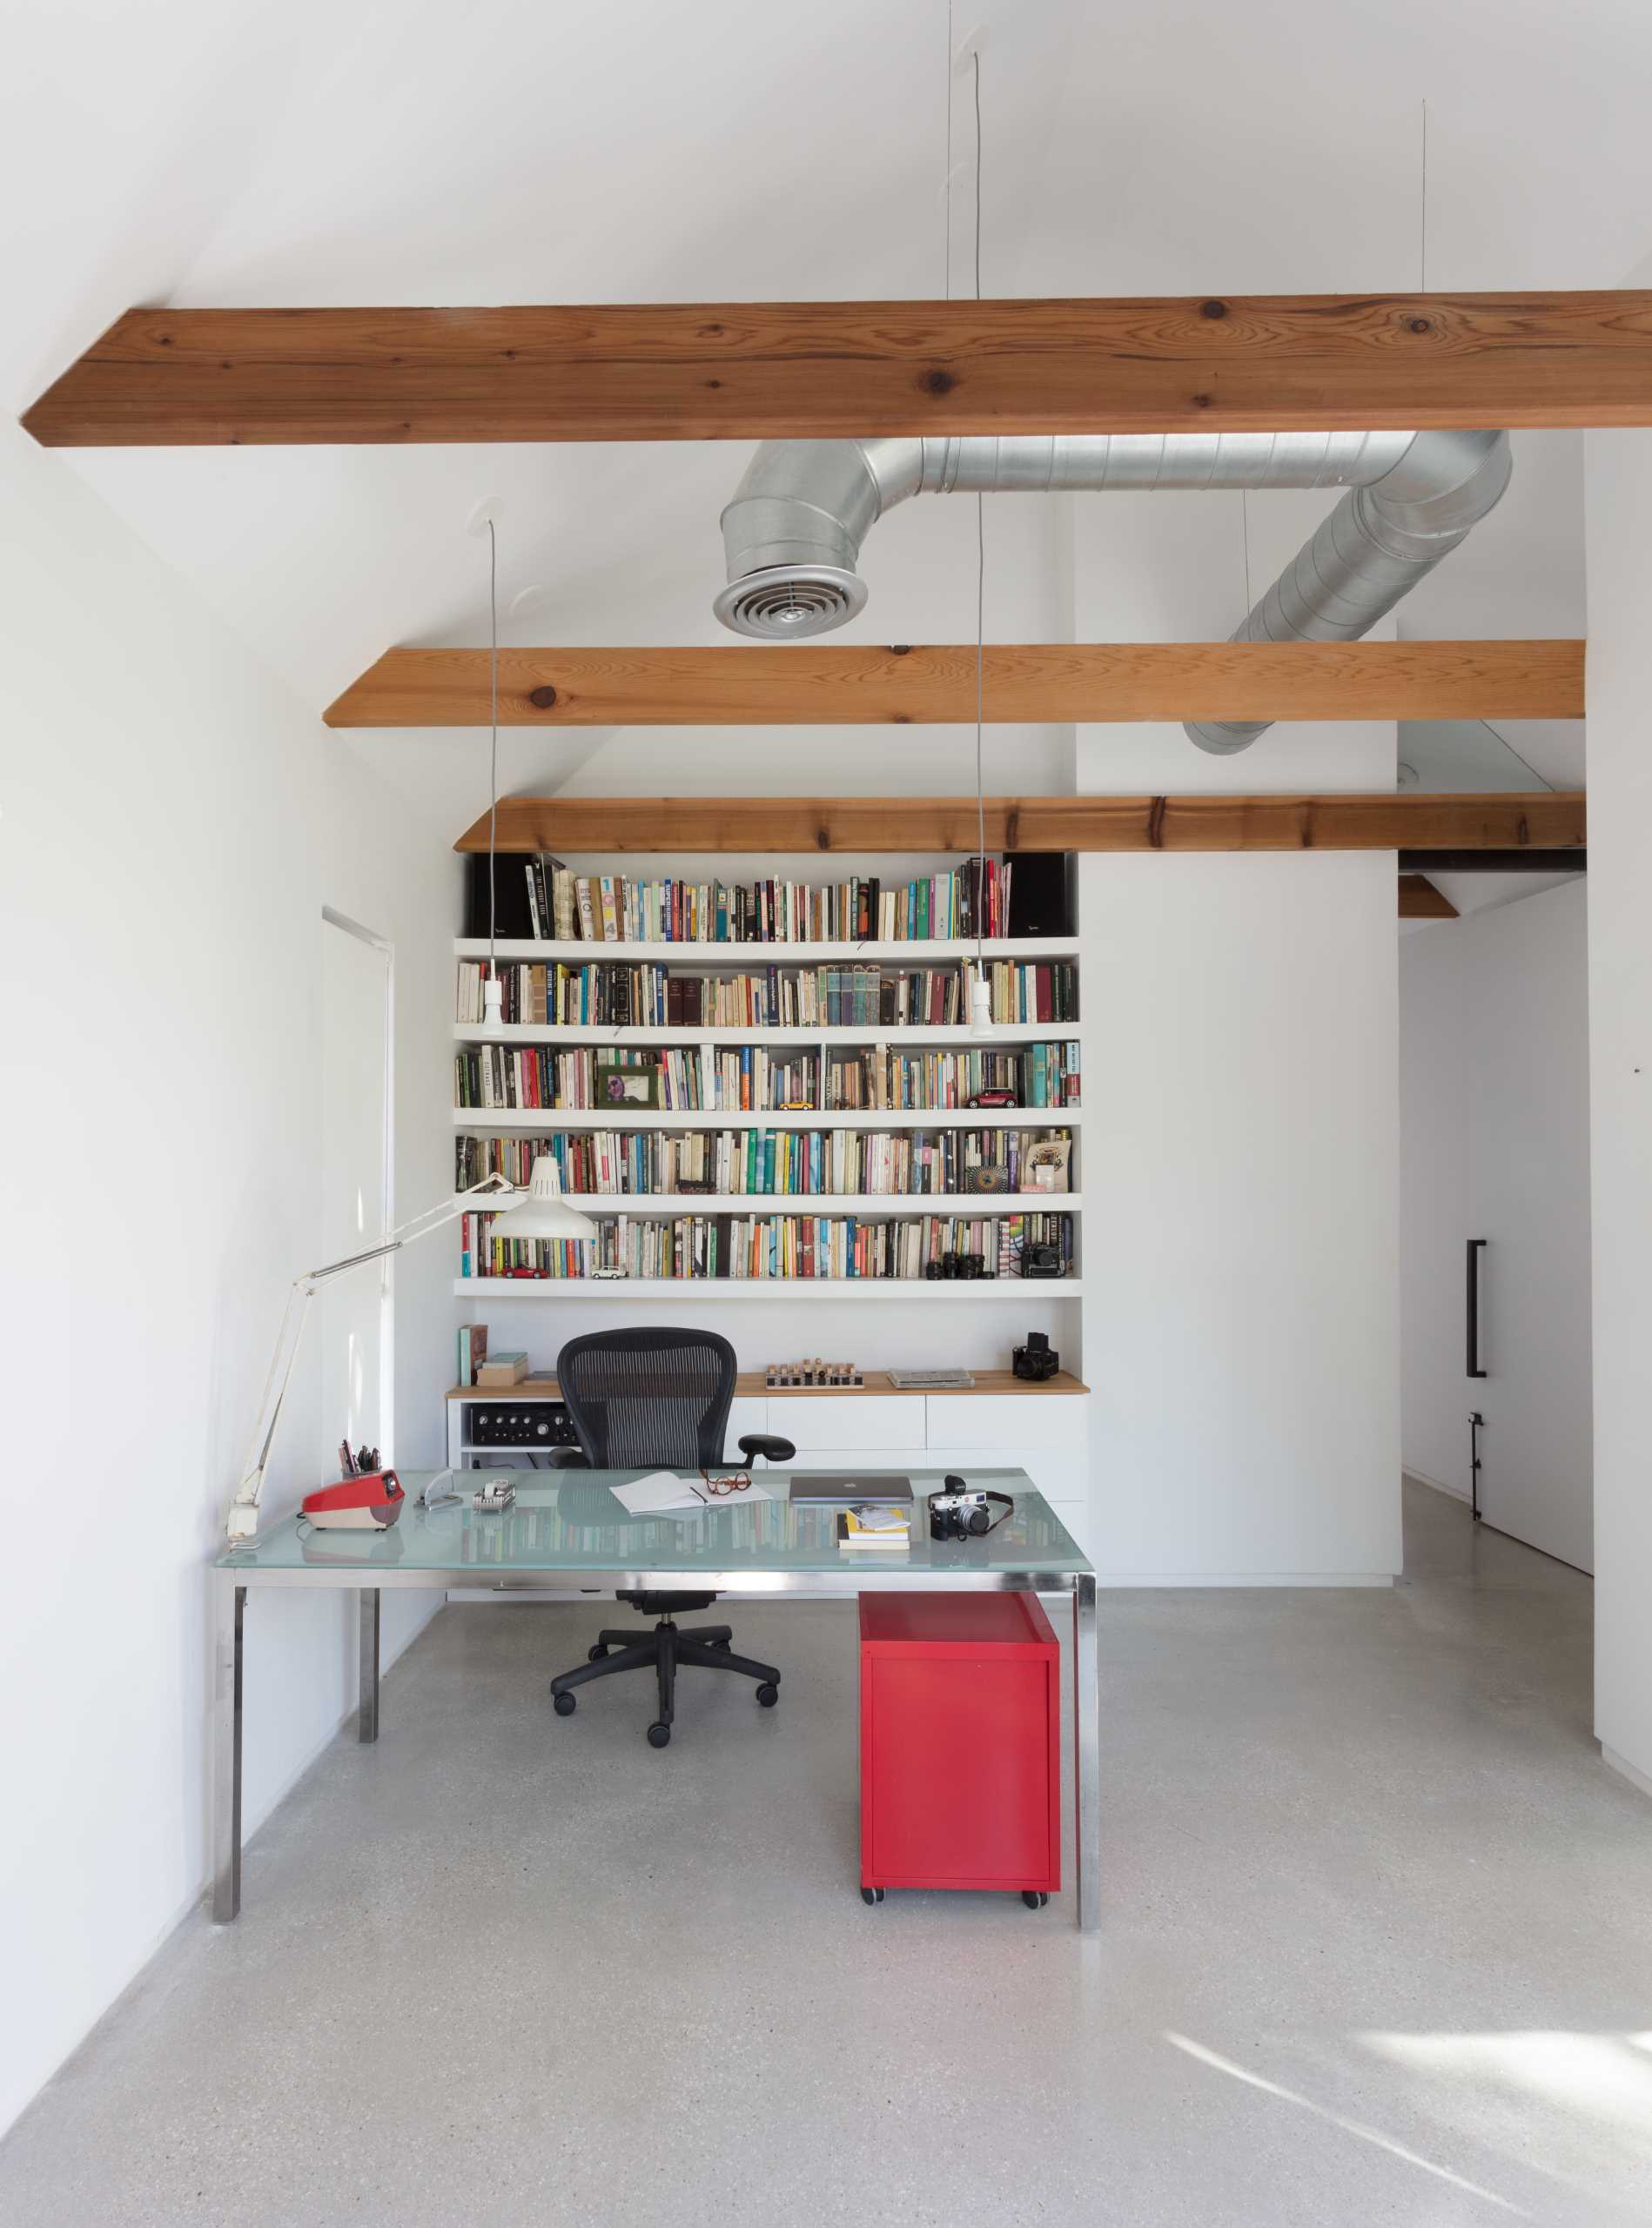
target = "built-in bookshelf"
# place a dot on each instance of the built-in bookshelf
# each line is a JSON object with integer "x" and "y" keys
{"x": 828, "y": 1127}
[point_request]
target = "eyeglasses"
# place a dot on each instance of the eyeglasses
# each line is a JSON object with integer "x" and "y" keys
{"x": 735, "y": 1481}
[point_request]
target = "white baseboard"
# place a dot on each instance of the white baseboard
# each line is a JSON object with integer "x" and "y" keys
{"x": 1109, "y": 1580}
{"x": 1625, "y": 1769}
{"x": 1436, "y": 1485}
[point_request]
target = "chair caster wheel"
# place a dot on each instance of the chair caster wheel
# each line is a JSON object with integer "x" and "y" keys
{"x": 659, "y": 1736}
{"x": 566, "y": 1704}
{"x": 871, "y": 1895}
{"x": 1034, "y": 1898}
{"x": 596, "y": 1653}
{"x": 768, "y": 1695}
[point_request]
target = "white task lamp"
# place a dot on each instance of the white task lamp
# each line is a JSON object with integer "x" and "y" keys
{"x": 541, "y": 1212}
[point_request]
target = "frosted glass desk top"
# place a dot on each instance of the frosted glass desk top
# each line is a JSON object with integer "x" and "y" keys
{"x": 569, "y": 1522}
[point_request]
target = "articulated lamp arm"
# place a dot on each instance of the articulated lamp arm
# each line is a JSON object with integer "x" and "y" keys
{"x": 243, "y": 1509}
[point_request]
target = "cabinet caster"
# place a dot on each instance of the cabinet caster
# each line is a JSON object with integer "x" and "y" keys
{"x": 660, "y": 1735}
{"x": 595, "y": 1652}
{"x": 566, "y": 1704}
{"x": 768, "y": 1695}
{"x": 1034, "y": 1898}
{"x": 871, "y": 1895}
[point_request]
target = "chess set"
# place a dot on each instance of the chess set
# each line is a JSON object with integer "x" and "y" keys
{"x": 785, "y": 1376}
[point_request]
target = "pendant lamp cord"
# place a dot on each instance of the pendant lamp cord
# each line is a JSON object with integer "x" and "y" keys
{"x": 492, "y": 752}
{"x": 980, "y": 607}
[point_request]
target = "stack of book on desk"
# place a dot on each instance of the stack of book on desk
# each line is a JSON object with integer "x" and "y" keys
{"x": 875, "y": 1524}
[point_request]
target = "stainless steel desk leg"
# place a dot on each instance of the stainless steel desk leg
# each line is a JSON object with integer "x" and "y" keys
{"x": 367, "y": 1708}
{"x": 229, "y": 1610}
{"x": 1086, "y": 1740}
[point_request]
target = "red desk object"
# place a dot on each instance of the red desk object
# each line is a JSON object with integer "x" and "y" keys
{"x": 369, "y": 1503}
{"x": 960, "y": 1744}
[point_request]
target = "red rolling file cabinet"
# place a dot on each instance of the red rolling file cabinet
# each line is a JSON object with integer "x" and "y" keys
{"x": 960, "y": 1744}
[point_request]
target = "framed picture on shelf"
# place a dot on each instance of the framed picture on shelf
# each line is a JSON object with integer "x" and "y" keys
{"x": 632, "y": 1083}
{"x": 1047, "y": 1163}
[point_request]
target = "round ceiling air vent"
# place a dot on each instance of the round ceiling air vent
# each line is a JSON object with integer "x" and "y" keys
{"x": 783, "y": 603}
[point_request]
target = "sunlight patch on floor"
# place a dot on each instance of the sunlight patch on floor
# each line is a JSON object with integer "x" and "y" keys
{"x": 1400, "y": 2150}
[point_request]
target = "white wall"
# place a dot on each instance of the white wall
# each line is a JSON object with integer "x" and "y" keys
{"x": 1494, "y": 1034}
{"x": 172, "y": 823}
{"x": 1240, "y": 1133}
{"x": 1619, "y": 497}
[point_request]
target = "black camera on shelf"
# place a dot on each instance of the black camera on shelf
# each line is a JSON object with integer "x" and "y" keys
{"x": 1042, "y": 1261}
{"x": 1037, "y": 1361}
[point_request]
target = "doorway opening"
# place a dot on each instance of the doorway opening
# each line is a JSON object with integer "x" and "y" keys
{"x": 1495, "y": 1214}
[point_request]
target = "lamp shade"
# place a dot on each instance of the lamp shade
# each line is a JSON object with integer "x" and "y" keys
{"x": 544, "y": 1213}
{"x": 981, "y": 1007}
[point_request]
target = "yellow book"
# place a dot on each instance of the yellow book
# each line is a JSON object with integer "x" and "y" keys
{"x": 875, "y": 1524}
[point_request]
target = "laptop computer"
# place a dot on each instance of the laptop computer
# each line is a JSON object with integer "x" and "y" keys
{"x": 845, "y": 1486}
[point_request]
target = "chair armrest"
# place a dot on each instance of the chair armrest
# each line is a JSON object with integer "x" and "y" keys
{"x": 768, "y": 1444}
{"x": 568, "y": 1458}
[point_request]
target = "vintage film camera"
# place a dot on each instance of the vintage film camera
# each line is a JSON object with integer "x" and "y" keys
{"x": 1037, "y": 1361}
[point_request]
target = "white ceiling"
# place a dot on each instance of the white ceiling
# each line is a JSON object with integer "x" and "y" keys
{"x": 283, "y": 151}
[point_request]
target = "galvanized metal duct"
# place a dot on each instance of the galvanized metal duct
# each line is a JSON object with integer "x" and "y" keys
{"x": 1372, "y": 549}
{"x": 792, "y": 535}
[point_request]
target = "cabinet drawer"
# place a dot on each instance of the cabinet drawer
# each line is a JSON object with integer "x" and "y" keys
{"x": 1060, "y": 1421}
{"x": 744, "y": 1416}
{"x": 892, "y": 1423}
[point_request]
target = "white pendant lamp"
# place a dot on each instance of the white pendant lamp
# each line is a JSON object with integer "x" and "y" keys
{"x": 543, "y": 1213}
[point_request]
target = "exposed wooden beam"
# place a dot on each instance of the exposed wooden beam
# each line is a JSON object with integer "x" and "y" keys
{"x": 1420, "y": 901}
{"x": 1413, "y": 822}
{"x": 814, "y": 684}
{"x": 740, "y": 371}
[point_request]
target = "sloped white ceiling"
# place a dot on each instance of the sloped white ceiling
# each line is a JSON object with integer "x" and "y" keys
{"x": 245, "y": 151}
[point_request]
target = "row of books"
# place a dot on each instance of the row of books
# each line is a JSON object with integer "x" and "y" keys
{"x": 650, "y": 1164}
{"x": 757, "y": 1247}
{"x": 649, "y": 995}
{"x": 886, "y": 1076}
{"x": 712, "y": 1078}
{"x": 610, "y": 909}
{"x": 701, "y": 1079}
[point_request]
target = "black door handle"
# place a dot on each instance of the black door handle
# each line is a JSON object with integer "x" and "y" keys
{"x": 1475, "y": 1246}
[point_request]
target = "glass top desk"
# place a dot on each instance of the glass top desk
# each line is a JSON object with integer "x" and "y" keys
{"x": 567, "y": 1537}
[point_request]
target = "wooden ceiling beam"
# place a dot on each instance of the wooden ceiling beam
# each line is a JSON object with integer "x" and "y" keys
{"x": 1413, "y": 822}
{"x": 746, "y": 371}
{"x": 1420, "y": 901}
{"x": 815, "y": 684}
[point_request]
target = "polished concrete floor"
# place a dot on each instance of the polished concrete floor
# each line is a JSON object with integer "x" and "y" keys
{"x": 1377, "y": 1948}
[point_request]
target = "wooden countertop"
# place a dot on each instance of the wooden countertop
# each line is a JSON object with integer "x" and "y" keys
{"x": 750, "y": 1385}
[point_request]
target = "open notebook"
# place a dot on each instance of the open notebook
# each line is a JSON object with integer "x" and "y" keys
{"x": 663, "y": 1494}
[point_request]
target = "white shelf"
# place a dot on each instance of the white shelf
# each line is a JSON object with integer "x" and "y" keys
{"x": 714, "y": 958}
{"x": 802, "y": 1203}
{"x": 652, "y": 1290}
{"x": 544, "y": 1119}
{"x": 955, "y": 1033}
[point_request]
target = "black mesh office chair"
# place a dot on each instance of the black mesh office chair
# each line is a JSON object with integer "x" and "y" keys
{"x": 647, "y": 1399}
